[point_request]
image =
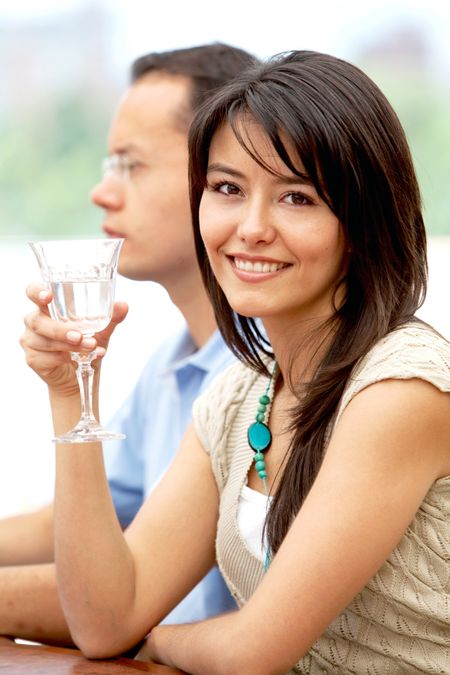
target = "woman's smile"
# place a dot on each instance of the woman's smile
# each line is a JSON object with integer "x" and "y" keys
{"x": 255, "y": 270}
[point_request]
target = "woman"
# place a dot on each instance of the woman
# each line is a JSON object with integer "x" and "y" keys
{"x": 336, "y": 424}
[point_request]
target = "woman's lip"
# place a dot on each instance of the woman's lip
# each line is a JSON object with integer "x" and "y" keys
{"x": 253, "y": 276}
{"x": 255, "y": 258}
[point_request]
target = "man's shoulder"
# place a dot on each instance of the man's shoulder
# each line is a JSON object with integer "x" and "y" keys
{"x": 160, "y": 361}
{"x": 166, "y": 351}
{"x": 216, "y": 356}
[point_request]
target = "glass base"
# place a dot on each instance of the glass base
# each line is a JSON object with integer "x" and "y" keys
{"x": 88, "y": 433}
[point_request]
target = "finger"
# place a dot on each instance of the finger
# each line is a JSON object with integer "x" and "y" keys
{"x": 46, "y": 362}
{"x": 33, "y": 341}
{"x": 40, "y": 295}
{"x": 86, "y": 344}
{"x": 41, "y": 324}
{"x": 120, "y": 311}
{"x": 66, "y": 333}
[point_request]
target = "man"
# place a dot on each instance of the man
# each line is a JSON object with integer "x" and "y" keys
{"x": 144, "y": 195}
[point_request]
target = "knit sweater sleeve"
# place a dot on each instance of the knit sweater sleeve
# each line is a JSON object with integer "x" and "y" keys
{"x": 213, "y": 414}
{"x": 414, "y": 351}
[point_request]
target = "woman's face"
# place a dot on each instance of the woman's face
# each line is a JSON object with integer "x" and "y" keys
{"x": 275, "y": 247}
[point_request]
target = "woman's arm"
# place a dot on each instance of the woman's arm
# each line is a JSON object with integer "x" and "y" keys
{"x": 29, "y": 605}
{"x": 27, "y": 538}
{"x": 389, "y": 446}
{"x": 113, "y": 591}
{"x": 115, "y": 588}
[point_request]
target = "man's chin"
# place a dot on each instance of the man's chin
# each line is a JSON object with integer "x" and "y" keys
{"x": 134, "y": 273}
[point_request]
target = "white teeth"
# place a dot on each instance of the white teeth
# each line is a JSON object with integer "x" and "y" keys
{"x": 259, "y": 266}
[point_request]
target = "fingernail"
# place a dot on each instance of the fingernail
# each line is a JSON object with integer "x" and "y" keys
{"x": 88, "y": 343}
{"x": 73, "y": 336}
{"x": 43, "y": 295}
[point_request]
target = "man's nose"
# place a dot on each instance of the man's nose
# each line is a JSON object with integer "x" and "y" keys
{"x": 108, "y": 194}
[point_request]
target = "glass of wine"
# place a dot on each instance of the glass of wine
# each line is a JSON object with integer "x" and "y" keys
{"x": 81, "y": 276}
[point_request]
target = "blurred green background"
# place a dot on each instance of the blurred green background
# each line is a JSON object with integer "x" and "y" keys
{"x": 47, "y": 168}
{"x": 57, "y": 102}
{"x": 49, "y": 163}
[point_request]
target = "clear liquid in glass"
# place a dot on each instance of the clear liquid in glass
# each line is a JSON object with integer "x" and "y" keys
{"x": 84, "y": 302}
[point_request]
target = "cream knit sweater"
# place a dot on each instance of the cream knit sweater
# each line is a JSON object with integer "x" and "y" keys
{"x": 400, "y": 622}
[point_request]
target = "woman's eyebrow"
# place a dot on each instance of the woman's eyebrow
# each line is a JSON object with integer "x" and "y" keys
{"x": 223, "y": 168}
{"x": 295, "y": 179}
{"x": 292, "y": 179}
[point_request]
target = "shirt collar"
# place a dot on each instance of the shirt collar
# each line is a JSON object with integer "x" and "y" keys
{"x": 185, "y": 353}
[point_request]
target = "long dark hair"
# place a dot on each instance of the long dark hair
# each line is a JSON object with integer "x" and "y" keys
{"x": 354, "y": 150}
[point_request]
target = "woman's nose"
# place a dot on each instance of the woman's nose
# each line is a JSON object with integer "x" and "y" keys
{"x": 256, "y": 226}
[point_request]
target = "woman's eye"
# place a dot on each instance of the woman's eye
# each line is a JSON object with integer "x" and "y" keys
{"x": 226, "y": 188}
{"x": 298, "y": 199}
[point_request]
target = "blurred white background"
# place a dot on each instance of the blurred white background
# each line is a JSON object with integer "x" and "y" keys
{"x": 124, "y": 30}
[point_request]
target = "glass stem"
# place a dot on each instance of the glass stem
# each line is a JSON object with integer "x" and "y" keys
{"x": 85, "y": 377}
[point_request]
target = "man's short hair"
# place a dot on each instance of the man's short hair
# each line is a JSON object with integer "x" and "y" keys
{"x": 208, "y": 67}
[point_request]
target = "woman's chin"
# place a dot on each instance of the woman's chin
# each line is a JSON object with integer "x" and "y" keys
{"x": 247, "y": 307}
{"x": 247, "y": 314}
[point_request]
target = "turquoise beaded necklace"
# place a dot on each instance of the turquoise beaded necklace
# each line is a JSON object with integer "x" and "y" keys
{"x": 259, "y": 439}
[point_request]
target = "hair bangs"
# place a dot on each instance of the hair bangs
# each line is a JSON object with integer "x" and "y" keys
{"x": 302, "y": 159}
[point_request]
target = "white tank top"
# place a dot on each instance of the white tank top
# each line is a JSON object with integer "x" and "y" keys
{"x": 251, "y": 515}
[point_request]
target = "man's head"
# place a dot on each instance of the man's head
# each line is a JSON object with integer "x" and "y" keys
{"x": 144, "y": 190}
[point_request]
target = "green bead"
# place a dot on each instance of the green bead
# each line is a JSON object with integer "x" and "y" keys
{"x": 260, "y": 417}
{"x": 260, "y": 466}
{"x": 258, "y": 456}
{"x": 264, "y": 399}
{"x": 262, "y": 474}
{"x": 259, "y": 437}
{"x": 262, "y": 408}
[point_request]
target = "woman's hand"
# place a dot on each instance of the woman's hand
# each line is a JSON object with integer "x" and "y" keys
{"x": 47, "y": 343}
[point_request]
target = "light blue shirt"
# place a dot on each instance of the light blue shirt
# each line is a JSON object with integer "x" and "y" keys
{"x": 154, "y": 419}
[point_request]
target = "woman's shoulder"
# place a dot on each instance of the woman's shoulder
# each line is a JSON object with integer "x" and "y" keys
{"x": 214, "y": 410}
{"x": 414, "y": 350}
{"x": 232, "y": 383}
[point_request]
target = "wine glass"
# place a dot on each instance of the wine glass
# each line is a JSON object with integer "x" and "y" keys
{"x": 81, "y": 276}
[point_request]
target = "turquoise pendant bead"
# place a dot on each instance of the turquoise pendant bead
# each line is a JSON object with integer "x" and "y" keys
{"x": 259, "y": 437}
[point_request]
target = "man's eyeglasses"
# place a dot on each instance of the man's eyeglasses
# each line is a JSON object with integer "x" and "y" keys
{"x": 119, "y": 165}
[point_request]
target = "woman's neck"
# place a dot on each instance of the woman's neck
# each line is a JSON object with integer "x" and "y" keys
{"x": 298, "y": 347}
